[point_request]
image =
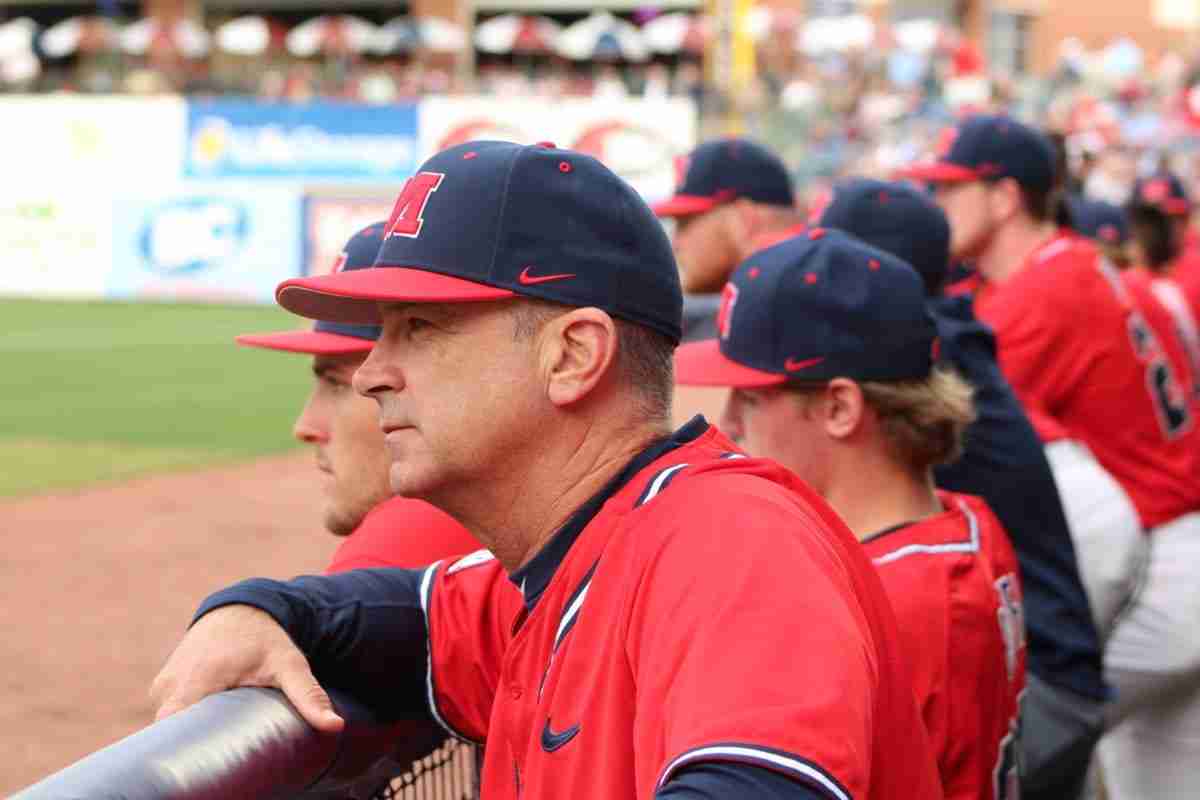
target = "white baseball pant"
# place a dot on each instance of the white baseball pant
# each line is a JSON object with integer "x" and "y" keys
{"x": 1152, "y": 659}
{"x": 1110, "y": 545}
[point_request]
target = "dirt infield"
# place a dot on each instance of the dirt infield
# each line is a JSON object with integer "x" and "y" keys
{"x": 98, "y": 586}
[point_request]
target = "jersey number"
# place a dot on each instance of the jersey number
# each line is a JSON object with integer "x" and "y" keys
{"x": 408, "y": 215}
{"x": 1170, "y": 401}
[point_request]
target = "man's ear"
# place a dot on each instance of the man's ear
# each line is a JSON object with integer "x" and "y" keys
{"x": 1005, "y": 199}
{"x": 578, "y": 349}
{"x": 844, "y": 410}
{"x": 742, "y": 220}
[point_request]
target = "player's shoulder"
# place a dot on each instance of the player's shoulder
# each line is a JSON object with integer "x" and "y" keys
{"x": 1069, "y": 263}
{"x": 728, "y": 483}
{"x": 402, "y": 532}
{"x": 722, "y": 497}
{"x": 958, "y": 532}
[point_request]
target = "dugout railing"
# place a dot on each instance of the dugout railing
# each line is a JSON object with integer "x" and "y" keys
{"x": 251, "y": 743}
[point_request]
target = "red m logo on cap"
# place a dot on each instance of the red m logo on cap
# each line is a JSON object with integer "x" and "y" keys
{"x": 408, "y": 215}
{"x": 729, "y": 296}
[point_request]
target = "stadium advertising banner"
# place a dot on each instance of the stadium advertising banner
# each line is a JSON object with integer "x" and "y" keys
{"x": 55, "y": 244}
{"x": 205, "y": 242}
{"x": 637, "y": 139}
{"x": 308, "y": 141}
{"x": 85, "y": 141}
{"x": 330, "y": 220}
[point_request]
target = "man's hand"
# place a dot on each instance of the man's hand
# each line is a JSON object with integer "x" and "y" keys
{"x": 240, "y": 646}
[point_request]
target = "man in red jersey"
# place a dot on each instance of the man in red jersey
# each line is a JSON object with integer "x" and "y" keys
{"x": 343, "y": 428}
{"x": 1084, "y": 367}
{"x": 1177, "y": 251}
{"x": 854, "y": 406}
{"x": 1154, "y": 210}
{"x": 695, "y": 623}
{"x": 734, "y": 197}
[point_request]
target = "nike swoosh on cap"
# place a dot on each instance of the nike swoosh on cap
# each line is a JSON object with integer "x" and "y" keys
{"x": 529, "y": 280}
{"x": 552, "y": 741}
{"x": 795, "y": 366}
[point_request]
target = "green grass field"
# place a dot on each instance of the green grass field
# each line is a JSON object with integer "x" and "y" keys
{"x": 105, "y": 391}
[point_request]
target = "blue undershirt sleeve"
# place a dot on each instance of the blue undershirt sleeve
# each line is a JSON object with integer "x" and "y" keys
{"x": 363, "y": 631}
{"x": 723, "y": 780}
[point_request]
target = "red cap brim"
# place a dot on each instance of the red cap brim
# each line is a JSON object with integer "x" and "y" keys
{"x": 702, "y": 364}
{"x": 313, "y": 343}
{"x": 939, "y": 172}
{"x": 683, "y": 205}
{"x": 351, "y": 297}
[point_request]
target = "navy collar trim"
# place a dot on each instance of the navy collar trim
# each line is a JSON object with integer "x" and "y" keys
{"x": 535, "y": 576}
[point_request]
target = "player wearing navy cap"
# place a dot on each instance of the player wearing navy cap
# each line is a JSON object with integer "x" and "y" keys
{"x": 343, "y": 429}
{"x": 1094, "y": 378}
{"x": 1105, "y": 224}
{"x": 829, "y": 351}
{"x": 1158, "y": 212}
{"x": 530, "y": 308}
{"x": 733, "y": 196}
{"x": 1002, "y": 462}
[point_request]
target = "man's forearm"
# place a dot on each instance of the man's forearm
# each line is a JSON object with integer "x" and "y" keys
{"x": 362, "y": 631}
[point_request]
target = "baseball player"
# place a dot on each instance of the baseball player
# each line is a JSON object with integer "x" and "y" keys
{"x": 695, "y": 623}
{"x": 734, "y": 197}
{"x": 379, "y": 530}
{"x": 1003, "y": 463}
{"x": 1157, "y": 246}
{"x": 1175, "y": 239}
{"x": 1088, "y": 367}
{"x": 853, "y": 405}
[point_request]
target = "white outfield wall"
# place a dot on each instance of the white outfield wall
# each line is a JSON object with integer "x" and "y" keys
{"x": 163, "y": 198}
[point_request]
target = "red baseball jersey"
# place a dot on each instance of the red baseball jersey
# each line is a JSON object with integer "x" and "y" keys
{"x": 1186, "y": 272}
{"x": 1146, "y": 295}
{"x": 706, "y": 608}
{"x": 1175, "y": 300}
{"x": 1076, "y": 350}
{"x": 954, "y": 585}
{"x": 400, "y": 532}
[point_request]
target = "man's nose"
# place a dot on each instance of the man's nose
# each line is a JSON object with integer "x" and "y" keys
{"x": 308, "y": 427}
{"x": 378, "y": 374}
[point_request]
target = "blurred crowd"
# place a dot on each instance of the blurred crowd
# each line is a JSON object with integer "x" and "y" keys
{"x": 834, "y": 96}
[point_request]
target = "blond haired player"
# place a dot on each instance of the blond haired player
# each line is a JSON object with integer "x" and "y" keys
{"x": 828, "y": 349}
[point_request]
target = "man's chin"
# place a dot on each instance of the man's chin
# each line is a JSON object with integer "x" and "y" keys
{"x": 340, "y": 524}
{"x": 342, "y": 519}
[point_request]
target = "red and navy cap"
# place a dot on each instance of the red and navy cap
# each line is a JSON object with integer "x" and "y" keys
{"x": 722, "y": 170}
{"x": 332, "y": 338}
{"x": 1163, "y": 191}
{"x": 990, "y": 147}
{"x": 496, "y": 220}
{"x": 898, "y": 219}
{"x": 819, "y": 306}
{"x": 1098, "y": 220}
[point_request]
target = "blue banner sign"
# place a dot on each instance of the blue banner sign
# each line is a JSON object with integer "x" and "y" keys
{"x": 308, "y": 141}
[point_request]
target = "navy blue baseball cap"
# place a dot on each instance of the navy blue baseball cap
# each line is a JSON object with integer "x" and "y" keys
{"x": 722, "y": 170}
{"x": 497, "y": 220}
{"x": 332, "y": 338}
{"x": 1098, "y": 220}
{"x": 898, "y": 219}
{"x": 990, "y": 147}
{"x": 1163, "y": 191}
{"x": 819, "y": 306}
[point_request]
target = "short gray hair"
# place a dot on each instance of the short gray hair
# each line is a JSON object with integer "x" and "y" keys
{"x": 645, "y": 357}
